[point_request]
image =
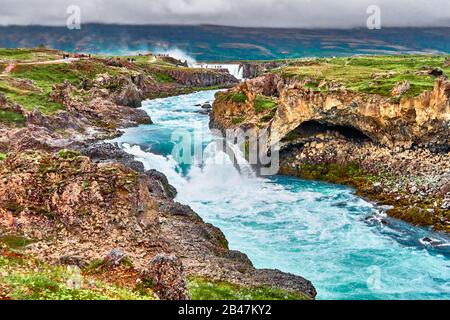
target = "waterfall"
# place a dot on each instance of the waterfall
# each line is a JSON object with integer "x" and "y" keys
{"x": 321, "y": 231}
{"x": 234, "y": 69}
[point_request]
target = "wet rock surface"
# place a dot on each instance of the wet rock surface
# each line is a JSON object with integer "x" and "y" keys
{"x": 108, "y": 153}
{"x": 414, "y": 182}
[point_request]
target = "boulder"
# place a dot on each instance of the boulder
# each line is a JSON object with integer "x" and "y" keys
{"x": 114, "y": 258}
{"x": 437, "y": 72}
{"x": 160, "y": 185}
{"x": 166, "y": 274}
{"x": 128, "y": 94}
{"x": 109, "y": 152}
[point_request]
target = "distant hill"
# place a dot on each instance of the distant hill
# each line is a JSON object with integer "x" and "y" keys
{"x": 206, "y": 43}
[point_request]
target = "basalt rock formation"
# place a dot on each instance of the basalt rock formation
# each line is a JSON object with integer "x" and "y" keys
{"x": 393, "y": 150}
{"x": 419, "y": 121}
{"x": 203, "y": 78}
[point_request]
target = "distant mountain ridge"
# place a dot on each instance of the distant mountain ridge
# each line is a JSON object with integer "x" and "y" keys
{"x": 217, "y": 43}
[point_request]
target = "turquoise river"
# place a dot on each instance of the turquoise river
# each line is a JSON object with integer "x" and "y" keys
{"x": 345, "y": 245}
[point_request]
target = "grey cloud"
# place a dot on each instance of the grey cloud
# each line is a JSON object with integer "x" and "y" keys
{"x": 267, "y": 13}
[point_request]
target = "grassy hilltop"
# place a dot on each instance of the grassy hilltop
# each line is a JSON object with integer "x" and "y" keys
{"x": 370, "y": 74}
{"x": 27, "y": 76}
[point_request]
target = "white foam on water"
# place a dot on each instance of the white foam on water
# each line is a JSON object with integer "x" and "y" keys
{"x": 320, "y": 231}
{"x": 234, "y": 69}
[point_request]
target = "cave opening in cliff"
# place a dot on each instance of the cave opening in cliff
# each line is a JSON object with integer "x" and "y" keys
{"x": 312, "y": 128}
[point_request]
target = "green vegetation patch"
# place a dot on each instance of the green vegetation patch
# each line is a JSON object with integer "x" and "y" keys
{"x": 68, "y": 154}
{"x": 24, "y": 278}
{"x": 163, "y": 77}
{"x": 237, "y": 120}
{"x": 3, "y": 156}
{"x": 369, "y": 74}
{"x": 27, "y": 55}
{"x": 332, "y": 172}
{"x": 15, "y": 242}
{"x": 236, "y": 97}
{"x": 291, "y": 136}
{"x": 263, "y": 103}
{"x": 203, "y": 289}
{"x": 11, "y": 117}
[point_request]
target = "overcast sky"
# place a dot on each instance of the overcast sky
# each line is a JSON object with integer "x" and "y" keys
{"x": 268, "y": 13}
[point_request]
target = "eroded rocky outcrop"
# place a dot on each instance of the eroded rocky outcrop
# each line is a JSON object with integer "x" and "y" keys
{"x": 202, "y": 78}
{"x": 73, "y": 209}
{"x": 420, "y": 121}
{"x": 401, "y": 145}
{"x": 255, "y": 69}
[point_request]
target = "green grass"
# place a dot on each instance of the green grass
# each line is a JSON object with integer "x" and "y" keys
{"x": 237, "y": 120}
{"x": 68, "y": 154}
{"x": 3, "y": 156}
{"x": 15, "y": 242}
{"x": 263, "y": 103}
{"x": 371, "y": 74}
{"x": 230, "y": 96}
{"x": 50, "y": 283}
{"x": 238, "y": 97}
{"x": 24, "y": 278}
{"x": 161, "y": 77}
{"x": 202, "y": 289}
{"x": 27, "y": 55}
{"x": 332, "y": 172}
{"x": 11, "y": 117}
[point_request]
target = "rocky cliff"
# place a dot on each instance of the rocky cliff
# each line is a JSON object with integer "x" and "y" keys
{"x": 202, "y": 77}
{"x": 79, "y": 211}
{"x": 254, "y": 69}
{"x": 419, "y": 121}
{"x": 393, "y": 149}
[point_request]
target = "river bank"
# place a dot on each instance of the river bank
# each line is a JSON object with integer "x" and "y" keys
{"x": 345, "y": 245}
{"x": 97, "y": 208}
{"x": 379, "y": 124}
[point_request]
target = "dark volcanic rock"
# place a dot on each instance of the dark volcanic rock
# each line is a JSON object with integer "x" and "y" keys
{"x": 254, "y": 69}
{"x": 288, "y": 281}
{"x": 436, "y": 72}
{"x": 69, "y": 260}
{"x": 175, "y": 208}
{"x": 160, "y": 185}
{"x": 201, "y": 78}
{"x": 108, "y": 152}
